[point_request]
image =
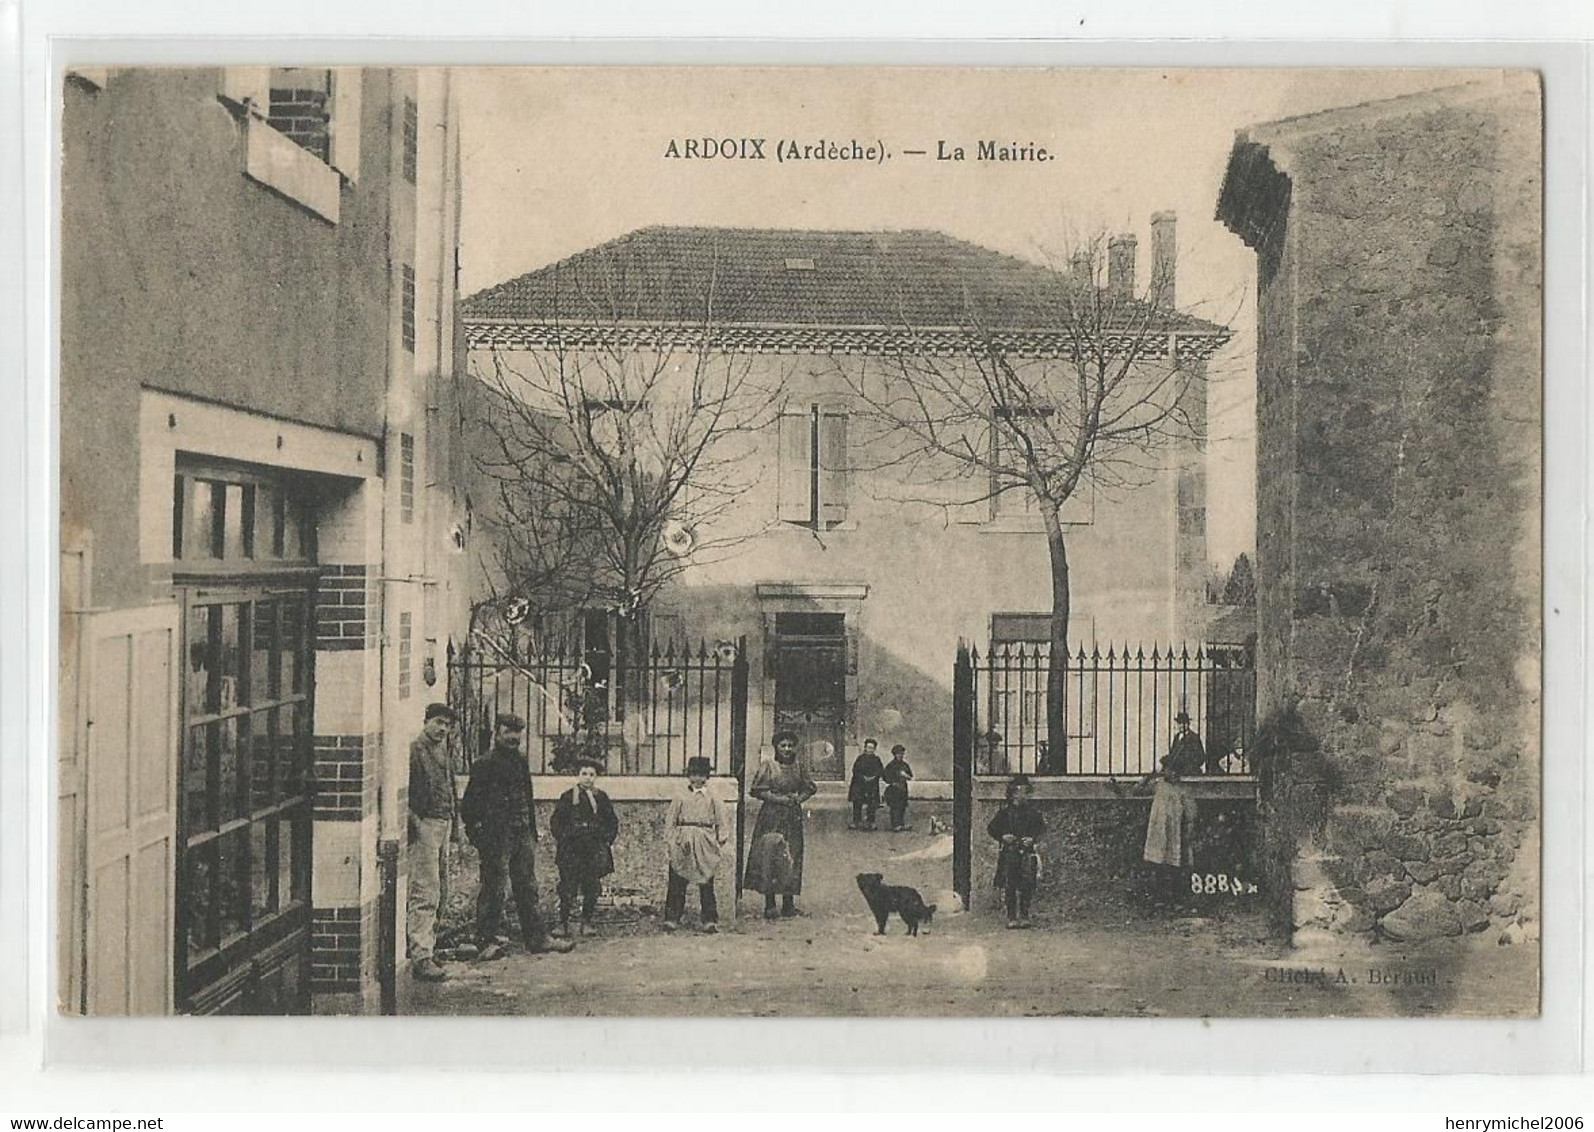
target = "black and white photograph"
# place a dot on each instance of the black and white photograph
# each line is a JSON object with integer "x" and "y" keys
{"x": 799, "y": 541}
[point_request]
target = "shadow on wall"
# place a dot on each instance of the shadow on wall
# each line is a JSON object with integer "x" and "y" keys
{"x": 889, "y": 697}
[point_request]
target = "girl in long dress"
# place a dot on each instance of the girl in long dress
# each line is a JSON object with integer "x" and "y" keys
{"x": 775, "y": 858}
{"x": 1171, "y": 827}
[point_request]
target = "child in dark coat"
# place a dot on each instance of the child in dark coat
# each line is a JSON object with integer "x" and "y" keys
{"x": 864, "y": 789}
{"x": 896, "y": 775}
{"x": 584, "y": 826}
{"x": 1017, "y": 827}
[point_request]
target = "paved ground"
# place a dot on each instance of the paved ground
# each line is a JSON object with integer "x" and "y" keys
{"x": 1123, "y": 960}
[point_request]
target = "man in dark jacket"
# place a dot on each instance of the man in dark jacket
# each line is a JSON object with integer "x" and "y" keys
{"x": 501, "y": 823}
{"x": 431, "y": 814}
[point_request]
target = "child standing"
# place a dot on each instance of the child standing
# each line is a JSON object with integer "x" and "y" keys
{"x": 584, "y": 826}
{"x": 1017, "y": 826}
{"x": 864, "y": 789}
{"x": 896, "y": 776}
{"x": 696, "y": 829}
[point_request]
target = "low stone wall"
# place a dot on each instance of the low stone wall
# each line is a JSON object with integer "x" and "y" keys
{"x": 1092, "y": 853}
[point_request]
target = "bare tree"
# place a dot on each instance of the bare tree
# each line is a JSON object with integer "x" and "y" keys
{"x": 1027, "y": 417}
{"x": 616, "y": 449}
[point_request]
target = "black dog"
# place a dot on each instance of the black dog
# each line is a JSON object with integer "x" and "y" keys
{"x": 884, "y": 899}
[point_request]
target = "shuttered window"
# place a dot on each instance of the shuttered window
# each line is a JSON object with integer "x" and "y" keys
{"x": 814, "y": 486}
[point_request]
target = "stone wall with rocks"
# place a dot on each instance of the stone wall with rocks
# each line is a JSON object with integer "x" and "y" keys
{"x": 1399, "y": 414}
{"x": 1092, "y": 861}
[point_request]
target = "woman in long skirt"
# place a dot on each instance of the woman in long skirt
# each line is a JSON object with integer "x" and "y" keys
{"x": 1170, "y": 830}
{"x": 775, "y": 857}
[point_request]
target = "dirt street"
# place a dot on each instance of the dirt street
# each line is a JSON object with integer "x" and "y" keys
{"x": 1123, "y": 960}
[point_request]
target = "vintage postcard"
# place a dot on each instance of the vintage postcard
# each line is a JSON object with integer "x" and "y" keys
{"x": 731, "y": 541}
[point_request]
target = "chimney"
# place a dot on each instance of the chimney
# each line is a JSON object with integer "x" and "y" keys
{"x": 1121, "y": 266}
{"x": 1164, "y": 258}
{"x": 1080, "y": 268}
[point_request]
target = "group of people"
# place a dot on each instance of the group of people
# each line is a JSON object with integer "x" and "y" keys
{"x": 869, "y": 774}
{"x": 499, "y": 815}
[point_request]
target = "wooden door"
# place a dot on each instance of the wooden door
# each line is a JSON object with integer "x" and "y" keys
{"x": 131, "y": 782}
{"x": 810, "y": 688}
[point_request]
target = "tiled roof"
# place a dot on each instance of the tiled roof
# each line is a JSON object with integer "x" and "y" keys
{"x": 788, "y": 278}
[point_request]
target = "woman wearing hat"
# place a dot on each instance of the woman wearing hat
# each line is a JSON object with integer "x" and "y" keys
{"x": 775, "y": 861}
{"x": 696, "y": 829}
{"x": 1170, "y": 832}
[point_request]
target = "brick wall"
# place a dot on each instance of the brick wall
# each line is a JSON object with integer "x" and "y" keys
{"x": 345, "y": 776}
{"x": 345, "y": 608}
{"x": 303, "y": 116}
{"x": 1398, "y": 512}
{"x": 343, "y": 947}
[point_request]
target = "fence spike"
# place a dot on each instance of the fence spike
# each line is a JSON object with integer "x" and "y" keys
{"x": 1139, "y": 653}
{"x": 1081, "y": 657}
{"x": 1095, "y": 653}
{"x": 1153, "y": 656}
{"x": 1109, "y": 654}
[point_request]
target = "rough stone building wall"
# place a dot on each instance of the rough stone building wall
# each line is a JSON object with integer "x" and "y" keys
{"x": 1399, "y": 410}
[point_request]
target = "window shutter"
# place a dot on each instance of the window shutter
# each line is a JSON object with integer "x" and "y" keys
{"x": 346, "y": 83}
{"x": 796, "y": 504}
{"x": 833, "y": 463}
{"x": 1001, "y": 503}
{"x": 247, "y": 87}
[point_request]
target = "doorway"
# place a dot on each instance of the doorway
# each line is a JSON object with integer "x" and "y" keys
{"x": 810, "y": 667}
{"x": 244, "y": 544}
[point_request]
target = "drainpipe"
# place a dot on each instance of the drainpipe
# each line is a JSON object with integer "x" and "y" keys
{"x": 387, "y": 844}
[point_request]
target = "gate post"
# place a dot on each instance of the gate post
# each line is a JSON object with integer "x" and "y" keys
{"x": 963, "y": 725}
{"x": 739, "y": 753}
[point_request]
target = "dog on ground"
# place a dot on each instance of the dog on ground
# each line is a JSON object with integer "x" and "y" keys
{"x": 884, "y": 899}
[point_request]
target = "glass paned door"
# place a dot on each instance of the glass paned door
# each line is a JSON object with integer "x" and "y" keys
{"x": 243, "y": 877}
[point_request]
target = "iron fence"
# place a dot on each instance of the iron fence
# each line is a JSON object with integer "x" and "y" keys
{"x": 1118, "y": 709}
{"x": 646, "y": 717}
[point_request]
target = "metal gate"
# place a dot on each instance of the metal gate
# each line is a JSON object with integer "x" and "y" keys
{"x": 647, "y": 719}
{"x": 1119, "y": 711}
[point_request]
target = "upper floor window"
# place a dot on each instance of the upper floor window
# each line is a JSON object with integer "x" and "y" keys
{"x": 406, "y": 477}
{"x": 814, "y": 481}
{"x": 1017, "y": 503}
{"x": 301, "y": 107}
{"x": 407, "y": 307}
{"x": 301, "y": 130}
{"x": 412, "y": 137}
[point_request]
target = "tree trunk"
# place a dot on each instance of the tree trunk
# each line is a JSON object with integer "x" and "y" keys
{"x": 1057, "y": 661}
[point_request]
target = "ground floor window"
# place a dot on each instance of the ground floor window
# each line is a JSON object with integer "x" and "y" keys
{"x": 244, "y": 780}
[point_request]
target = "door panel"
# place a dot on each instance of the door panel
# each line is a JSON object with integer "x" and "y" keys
{"x": 810, "y": 699}
{"x": 131, "y": 778}
{"x": 244, "y": 781}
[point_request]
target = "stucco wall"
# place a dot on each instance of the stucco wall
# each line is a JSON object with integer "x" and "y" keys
{"x": 934, "y": 573}
{"x": 180, "y": 273}
{"x": 1398, "y": 515}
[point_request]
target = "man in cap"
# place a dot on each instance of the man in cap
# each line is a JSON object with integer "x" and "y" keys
{"x": 431, "y": 816}
{"x": 500, "y": 821}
